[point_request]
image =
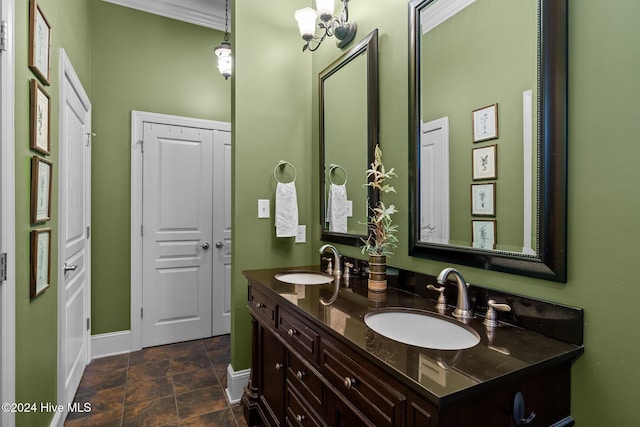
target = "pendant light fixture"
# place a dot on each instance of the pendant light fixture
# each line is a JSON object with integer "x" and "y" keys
{"x": 223, "y": 50}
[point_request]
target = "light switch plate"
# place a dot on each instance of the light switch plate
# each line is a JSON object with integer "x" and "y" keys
{"x": 349, "y": 208}
{"x": 263, "y": 208}
{"x": 301, "y": 237}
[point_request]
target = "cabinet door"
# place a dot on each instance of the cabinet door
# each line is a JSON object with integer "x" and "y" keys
{"x": 341, "y": 414}
{"x": 273, "y": 372}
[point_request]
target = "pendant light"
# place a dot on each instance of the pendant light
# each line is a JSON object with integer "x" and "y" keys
{"x": 223, "y": 50}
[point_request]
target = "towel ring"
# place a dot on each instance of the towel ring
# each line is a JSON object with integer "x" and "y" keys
{"x": 282, "y": 164}
{"x": 332, "y": 167}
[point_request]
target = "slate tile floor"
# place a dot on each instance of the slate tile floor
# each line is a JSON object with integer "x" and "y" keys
{"x": 172, "y": 385}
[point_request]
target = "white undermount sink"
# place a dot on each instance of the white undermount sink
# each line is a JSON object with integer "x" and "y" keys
{"x": 304, "y": 278}
{"x": 422, "y": 329}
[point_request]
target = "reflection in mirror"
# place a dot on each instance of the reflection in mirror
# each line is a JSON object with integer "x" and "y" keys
{"x": 348, "y": 95}
{"x": 488, "y": 132}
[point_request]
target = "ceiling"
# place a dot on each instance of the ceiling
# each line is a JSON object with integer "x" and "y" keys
{"x": 206, "y": 13}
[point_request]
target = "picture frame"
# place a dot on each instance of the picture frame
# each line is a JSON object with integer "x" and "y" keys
{"x": 40, "y": 119}
{"x": 40, "y": 261}
{"x": 483, "y": 234}
{"x": 484, "y": 123}
{"x": 39, "y": 42}
{"x": 41, "y": 174}
{"x": 483, "y": 199}
{"x": 484, "y": 162}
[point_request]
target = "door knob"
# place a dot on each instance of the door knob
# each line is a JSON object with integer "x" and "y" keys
{"x": 205, "y": 245}
{"x": 219, "y": 245}
{"x": 68, "y": 267}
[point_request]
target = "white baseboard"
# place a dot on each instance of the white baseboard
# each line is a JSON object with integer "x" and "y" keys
{"x": 236, "y": 381}
{"x": 110, "y": 344}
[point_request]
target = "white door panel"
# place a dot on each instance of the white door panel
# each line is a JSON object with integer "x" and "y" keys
{"x": 74, "y": 224}
{"x": 177, "y": 212}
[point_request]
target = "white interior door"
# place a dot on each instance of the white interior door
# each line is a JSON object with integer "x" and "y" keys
{"x": 434, "y": 181}
{"x": 74, "y": 228}
{"x": 222, "y": 232}
{"x": 177, "y": 212}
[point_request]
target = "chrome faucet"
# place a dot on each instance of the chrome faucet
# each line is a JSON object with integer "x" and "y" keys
{"x": 463, "y": 308}
{"x": 337, "y": 270}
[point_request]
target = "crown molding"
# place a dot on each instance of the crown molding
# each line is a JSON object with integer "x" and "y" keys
{"x": 206, "y": 14}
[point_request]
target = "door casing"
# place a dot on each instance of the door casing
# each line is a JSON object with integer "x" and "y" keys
{"x": 138, "y": 118}
{"x": 7, "y": 214}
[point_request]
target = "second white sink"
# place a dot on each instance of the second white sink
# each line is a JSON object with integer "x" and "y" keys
{"x": 304, "y": 278}
{"x": 422, "y": 329}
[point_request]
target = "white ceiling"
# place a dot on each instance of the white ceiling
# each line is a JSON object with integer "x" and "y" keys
{"x": 207, "y": 13}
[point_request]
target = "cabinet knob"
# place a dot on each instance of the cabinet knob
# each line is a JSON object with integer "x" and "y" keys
{"x": 300, "y": 374}
{"x": 349, "y": 383}
{"x": 299, "y": 418}
{"x": 291, "y": 332}
{"x": 278, "y": 366}
{"x": 260, "y": 305}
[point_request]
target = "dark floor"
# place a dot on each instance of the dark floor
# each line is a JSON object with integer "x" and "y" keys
{"x": 172, "y": 385}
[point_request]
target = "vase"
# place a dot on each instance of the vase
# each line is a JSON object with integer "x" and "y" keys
{"x": 377, "y": 273}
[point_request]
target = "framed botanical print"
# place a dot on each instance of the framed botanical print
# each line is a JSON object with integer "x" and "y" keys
{"x": 484, "y": 163}
{"x": 40, "y": 261}
{"x": 39, "y": 42}
{"x": 483, "y": 199}
{"x": 41, "y": 172}
{"x": 483, "y": 234}
{"x": 485, "y": 123}
{"x": 40, "y": 119}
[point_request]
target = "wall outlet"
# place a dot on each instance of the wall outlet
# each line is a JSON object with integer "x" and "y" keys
{"x": 263, "y": 208}
{"x": 301, "y": 237}
{"x": 349, "y": 208}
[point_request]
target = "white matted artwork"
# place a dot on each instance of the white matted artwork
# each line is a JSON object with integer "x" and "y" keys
{"x": 485, "y": 123}
{"x": 483, "y": 234}
{"x": 483, "y": 199}
{"x": 484, "y": 162}
{"x": 40, "y": 260}
{"x": 41, "y": 172}
{"x": 40, "y": 119}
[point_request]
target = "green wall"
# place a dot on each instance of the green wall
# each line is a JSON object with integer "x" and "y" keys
{"x": 271, "y": 122}
{"x": 148, "y": 63}
{"x": 602, "y": 194}
{"x": 37, "y": 319}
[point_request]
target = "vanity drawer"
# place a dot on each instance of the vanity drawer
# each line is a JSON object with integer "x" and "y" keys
{"x": 299, "y": 335}
{"x": 262, "y": 307}
{"x": 305, "y": 380}
{"x": 369, "y": 389}
{"x": 298, "y": 412}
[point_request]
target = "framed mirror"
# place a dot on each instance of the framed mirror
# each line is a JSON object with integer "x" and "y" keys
{"x": 488, "y": 129}
{"x": 348, "y": 93}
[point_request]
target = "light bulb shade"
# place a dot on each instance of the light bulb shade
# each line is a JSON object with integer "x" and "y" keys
{"x": 306, "y": 18}
{"x": 325, "y": 7}
{"x": 223, "y": 52}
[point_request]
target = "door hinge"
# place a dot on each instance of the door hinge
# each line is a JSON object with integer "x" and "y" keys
{"x": 141, "y": 142}
{"x": 141, "y": 230}
{"x": 88, "y": 232}
{"x": 141, "y": 312}
{"x": 88, "y": 324}
{"x": 3, "y": 266}
{"x": 4, "y": 36}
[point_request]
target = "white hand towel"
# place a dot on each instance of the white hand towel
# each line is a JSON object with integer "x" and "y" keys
{"x": 337, "y": 208}
{"x": 286, "y": 210}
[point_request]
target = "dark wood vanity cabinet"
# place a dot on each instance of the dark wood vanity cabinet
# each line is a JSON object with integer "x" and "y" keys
{"x": 305, "y": 375}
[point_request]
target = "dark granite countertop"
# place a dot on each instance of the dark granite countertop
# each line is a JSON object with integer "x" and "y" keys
{"x": 443, "y": 376}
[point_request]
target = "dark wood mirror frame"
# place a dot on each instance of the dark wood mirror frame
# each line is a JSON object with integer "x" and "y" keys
{"x": 550, "y": 262}
{"x": 370, "y": 45}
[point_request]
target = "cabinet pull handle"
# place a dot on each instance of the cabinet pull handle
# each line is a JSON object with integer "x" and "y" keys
{"x": 299, "y": 418}
{"x": 278, "y": 366}
{"x": 291, "y": 332}
{"x": 349, "y": 383}
{"x": 260, "y": 305}
{"x": 300, "y": 374}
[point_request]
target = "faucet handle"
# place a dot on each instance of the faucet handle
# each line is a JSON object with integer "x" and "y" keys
{"x": 491, "y": 318}
{"x": 442, "y": 300}
{"x": 347, "y": 269}
{"x": 329, "y": 266}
